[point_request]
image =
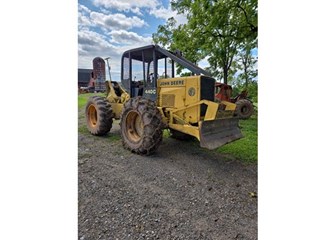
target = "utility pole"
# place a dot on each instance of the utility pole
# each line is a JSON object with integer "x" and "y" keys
{"x": 109, "y": 68}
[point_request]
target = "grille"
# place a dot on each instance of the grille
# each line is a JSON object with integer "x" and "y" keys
{"x": 207, "y": 91}
{"x": 168, "y": 100}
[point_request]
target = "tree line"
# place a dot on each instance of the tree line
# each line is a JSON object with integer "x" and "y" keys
{"x": 224, "y": 32}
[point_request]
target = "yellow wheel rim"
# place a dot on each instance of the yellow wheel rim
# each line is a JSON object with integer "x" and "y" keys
{"x": 92, "y": 115}
{"x": 134, "y": 126}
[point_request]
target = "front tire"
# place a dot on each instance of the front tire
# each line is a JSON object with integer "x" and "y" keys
{"x": 99, "y": 115}
{"x": 141, "y": 126}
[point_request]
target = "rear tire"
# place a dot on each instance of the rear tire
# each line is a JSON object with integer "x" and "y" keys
{"x": 99, "y": 115}
{"x": 244, "y": 109}
{"x": 141, "y": 126}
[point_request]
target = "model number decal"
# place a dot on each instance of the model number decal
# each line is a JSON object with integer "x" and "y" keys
{"x": 150, "y": 91}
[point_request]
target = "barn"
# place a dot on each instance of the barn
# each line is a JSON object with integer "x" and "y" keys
{"x": 84, "y": 76}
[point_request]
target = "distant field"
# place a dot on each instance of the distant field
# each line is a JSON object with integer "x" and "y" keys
{"x": 82, "y": 98}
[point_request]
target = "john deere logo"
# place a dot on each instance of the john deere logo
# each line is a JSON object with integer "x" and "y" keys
{"x": 191, "y": 91}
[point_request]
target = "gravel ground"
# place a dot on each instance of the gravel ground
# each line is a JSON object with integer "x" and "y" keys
{"x": 180, "y": 192}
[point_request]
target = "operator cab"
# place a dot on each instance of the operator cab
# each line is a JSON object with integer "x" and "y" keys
{"x": 140, "y": 69}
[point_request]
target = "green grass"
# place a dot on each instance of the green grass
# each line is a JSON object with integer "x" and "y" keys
{"x": 112, "y": 137}
{"x": 82, "y": 98}
{"x": 245, "y": 148}
{"x": 166, "y": 133}
{"x": 83, "y": 130}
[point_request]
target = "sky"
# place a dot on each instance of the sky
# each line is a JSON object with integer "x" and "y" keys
{"x": 107, "y": 28}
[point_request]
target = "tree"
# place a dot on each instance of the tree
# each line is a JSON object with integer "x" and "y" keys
{"x": 165, "y": 32}
{"x": 216, "y": 29}
{"x": 246, "y": 64}
{"x": 179, "y": 38}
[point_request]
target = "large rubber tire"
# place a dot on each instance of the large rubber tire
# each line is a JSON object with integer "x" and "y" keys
{"x": 179, "y": 135}
{"x": 99, "y": 115}
{"x": 244, "y": 109}
{"x": 141, "y": 126}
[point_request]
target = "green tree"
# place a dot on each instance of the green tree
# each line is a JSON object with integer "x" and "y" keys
{"x": 215, "y": 28}
{"x": 179, "y": 38}
{"x": 246, "y": 64}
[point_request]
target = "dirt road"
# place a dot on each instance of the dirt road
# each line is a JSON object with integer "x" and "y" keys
{"x": 181, "y": 192}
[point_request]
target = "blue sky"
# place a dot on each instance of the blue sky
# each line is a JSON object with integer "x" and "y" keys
{"x": 107, "y": 28}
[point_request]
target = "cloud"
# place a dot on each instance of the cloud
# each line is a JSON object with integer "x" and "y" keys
{"x": 125, "y": 37}
{"x": 83, "y": 21}
{"x": 92, "y": 43}
{"x": 83, "y": 17}
{"x": 162, "y": 12}
{"x": 83, "y": 9}
{"x": 116, "y": 21}
{"x": 137, "y": 11}
{"x": 127, "y": 5}
{"x": 107, "y": 21}
{"x": 166, "y": 13}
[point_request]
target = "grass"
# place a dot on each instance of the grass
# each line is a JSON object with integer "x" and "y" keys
{"x": 166, "y": 133}
{"x": 83, "y": 130}
{"x": 112, "y": 137}
{"x": 245, "y": 148}
{"x": 109, "y": 137}
{"x": 82, "y": 98}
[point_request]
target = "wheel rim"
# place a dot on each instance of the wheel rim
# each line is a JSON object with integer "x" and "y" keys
{"x": 92, "y": 115}
{"x": 134, "y": 126}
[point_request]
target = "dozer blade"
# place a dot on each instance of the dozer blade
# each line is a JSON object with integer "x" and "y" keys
{"x": 216, "y": 133}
